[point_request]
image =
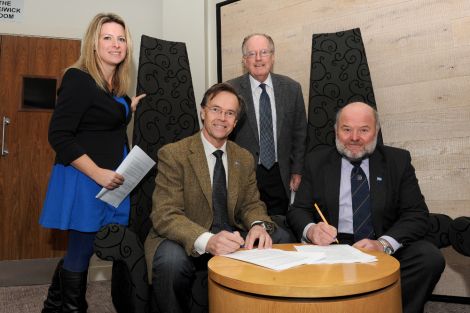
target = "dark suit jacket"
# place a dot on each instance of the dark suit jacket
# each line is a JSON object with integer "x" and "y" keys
{"x": 398, "y": 207}
{"x": 88, "y": 120}
{"x": 182, "y": 200}
{"x": 291, "y": 124}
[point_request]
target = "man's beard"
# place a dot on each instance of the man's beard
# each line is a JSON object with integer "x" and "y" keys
{"x": 348, "y": 154}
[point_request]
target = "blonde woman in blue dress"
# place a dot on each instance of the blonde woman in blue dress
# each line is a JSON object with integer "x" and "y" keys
{"x": 88, "y": 133}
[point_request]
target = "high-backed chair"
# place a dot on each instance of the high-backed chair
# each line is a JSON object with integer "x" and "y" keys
{"x": 167, "y": 114}
{"x": 339, "y": 74}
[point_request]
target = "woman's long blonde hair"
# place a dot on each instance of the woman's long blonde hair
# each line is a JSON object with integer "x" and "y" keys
{"x": 90, "y": 61}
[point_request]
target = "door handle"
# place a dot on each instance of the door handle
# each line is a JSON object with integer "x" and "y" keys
{"x": 5, "y": 122}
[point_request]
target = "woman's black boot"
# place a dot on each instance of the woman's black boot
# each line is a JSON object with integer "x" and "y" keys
{"x": 53, "y": 302}
{"x": 73, "y": 287}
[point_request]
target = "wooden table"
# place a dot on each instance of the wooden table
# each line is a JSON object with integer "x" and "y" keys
{"x": 238, "y": 287}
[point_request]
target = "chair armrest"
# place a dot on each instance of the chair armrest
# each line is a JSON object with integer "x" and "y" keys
{"x": 459, "y": 235}
{"x": 129, "y": 287}
{"x": 438, "y": 232}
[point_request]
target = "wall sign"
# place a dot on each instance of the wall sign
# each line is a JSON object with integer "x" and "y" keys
{"x": 11, "y": 10}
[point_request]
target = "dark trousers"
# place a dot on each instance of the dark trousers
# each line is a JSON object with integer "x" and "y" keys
{"x": 174, "y": 273}
{"x": 271, "y": 189}
{"x": 421, "y": 266}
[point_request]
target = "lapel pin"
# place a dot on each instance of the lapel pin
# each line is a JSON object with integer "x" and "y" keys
{"x": 379, "y": 178}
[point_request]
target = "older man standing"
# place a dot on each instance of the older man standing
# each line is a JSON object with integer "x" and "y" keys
{"x": 371, "y": 198}
{"x": 274, "y": 126}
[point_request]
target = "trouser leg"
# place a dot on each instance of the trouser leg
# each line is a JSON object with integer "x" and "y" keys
{"x": 271, "y": 190}
{"x": 172, "y": 277}
{"x": 421, "y": 265}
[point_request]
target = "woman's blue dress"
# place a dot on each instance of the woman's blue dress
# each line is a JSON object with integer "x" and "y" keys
{"x": 71, "y": 203}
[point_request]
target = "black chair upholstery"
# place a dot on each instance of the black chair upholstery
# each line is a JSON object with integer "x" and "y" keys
{"x": 167, "y": 114}
{"x": 459, "y": 235}
{"x": 438, "y": 232}
{"x": 339, "y": 74}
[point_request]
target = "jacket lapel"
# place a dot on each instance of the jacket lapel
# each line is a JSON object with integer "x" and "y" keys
{"x": 233, "y": 181}
{"x": 249, "y": 105}
{"x": 378, "y": 179}
{"x": 198, "y": 161}
{"x": 332, "y": 184}
{"x": 279, "y": 101}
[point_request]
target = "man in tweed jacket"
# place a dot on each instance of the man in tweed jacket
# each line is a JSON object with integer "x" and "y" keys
{"x": 181, "y": 240}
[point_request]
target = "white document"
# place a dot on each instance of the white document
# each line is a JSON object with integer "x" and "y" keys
{"x": 275, "y": 259}
{"x": 337, "y": 254}
{"x": 134, "y": 167}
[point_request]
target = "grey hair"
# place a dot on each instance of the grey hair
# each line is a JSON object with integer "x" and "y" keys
{"x": 270, "y": 41}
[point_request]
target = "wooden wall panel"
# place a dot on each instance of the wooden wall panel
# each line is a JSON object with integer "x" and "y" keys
{"x": 419, "y": 58}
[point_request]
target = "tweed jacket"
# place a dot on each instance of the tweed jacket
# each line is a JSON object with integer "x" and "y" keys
{"x": 182, "y": 200}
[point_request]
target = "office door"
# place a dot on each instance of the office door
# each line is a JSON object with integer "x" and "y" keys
{"x": 30, "y": 70}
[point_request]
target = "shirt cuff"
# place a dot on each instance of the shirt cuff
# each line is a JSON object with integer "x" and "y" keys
{"x": 256, "y": 222}
{"x": 395, "y": 244}
{"x": 304, "y": 233}
{"x": 201, "y": 242}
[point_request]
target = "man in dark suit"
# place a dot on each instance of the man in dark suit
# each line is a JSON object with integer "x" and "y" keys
{"x": 281, "y": 125}
{"x": 199, "y": 208}
{"x": 370, "y": 196}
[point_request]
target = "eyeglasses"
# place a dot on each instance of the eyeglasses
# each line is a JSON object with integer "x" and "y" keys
{"x": 263, "y": 53}
{"x": 219, "y": 111}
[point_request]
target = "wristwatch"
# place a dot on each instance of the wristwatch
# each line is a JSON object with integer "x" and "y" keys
{"x": 267, "y": 226}
{"x": 387, "y": 247}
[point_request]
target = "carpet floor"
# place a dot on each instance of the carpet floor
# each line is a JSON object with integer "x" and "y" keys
{"x": 26, "y": 299}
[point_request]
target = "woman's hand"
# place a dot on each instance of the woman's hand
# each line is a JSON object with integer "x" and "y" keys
{"x": 135, "y": 101}
{"x": 103, "y": 177}
{"x": 108, "y": 179}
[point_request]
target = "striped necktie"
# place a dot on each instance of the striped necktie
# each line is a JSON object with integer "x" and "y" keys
{"x": 362, "y": 221}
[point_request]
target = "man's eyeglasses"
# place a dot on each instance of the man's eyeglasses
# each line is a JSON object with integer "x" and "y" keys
{"x": 264, "y": 53}
{"x": 219, "y": 111}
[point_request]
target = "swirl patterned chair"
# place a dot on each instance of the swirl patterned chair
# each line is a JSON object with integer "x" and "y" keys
{"x": 340, "y": 74}
{"x": 167, "y": 114}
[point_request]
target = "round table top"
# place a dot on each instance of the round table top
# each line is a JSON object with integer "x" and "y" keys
{"x": 306, "y": 281}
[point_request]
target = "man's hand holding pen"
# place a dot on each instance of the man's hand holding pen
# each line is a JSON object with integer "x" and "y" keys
{"x": 224, "y": 242}
{"x": 322, "y": 234}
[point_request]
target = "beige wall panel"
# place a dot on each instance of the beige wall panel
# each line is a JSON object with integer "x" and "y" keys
{"x": 429, "y": 65}
{"x": 427, "y": 124}
{"x": 452, "y": 208}
{"x": 420, "y": 96}
{"x": 439, "y": 154}
{"x": 460, "y": 30}
{"x": 444, "y": 184}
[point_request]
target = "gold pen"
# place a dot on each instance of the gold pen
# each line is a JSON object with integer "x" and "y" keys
{"x": 323, "y": 218}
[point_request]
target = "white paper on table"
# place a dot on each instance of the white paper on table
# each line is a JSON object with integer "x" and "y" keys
{"x": 274, "y": 259}
{"x": 134, "y": 167}
{"x": 337, "y": 254}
